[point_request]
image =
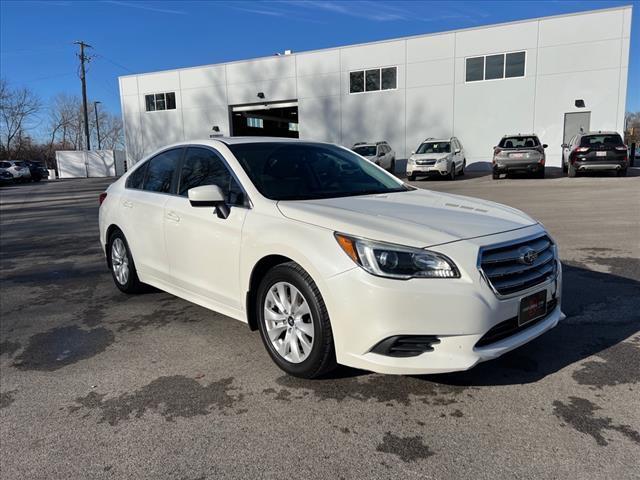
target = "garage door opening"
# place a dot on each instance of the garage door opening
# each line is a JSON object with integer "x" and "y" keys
{"x": 266, "y": 120}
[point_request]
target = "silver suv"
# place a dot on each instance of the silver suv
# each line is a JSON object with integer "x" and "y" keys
{"x": 521, "y": 153}
{"x": 437, "y": 157}
{"x": 379, "y": 153}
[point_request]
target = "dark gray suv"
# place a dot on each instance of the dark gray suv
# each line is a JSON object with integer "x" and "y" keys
{"x": 519, "y": 154}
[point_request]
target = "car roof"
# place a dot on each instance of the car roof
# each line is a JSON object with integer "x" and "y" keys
{"x": 437, "y": 140}
{"x": 520, "y": 135}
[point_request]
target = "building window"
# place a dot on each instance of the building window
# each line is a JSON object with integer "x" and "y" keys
{"x": 494, "y": 67}
{"x": 373, "y": 80}
{"x": 255, "y": 122}
{"x": 160, "y": 101}
{"x": 475, "y": 69}
{"x": 356, "y": 81}
{"x": 515, "y": 65}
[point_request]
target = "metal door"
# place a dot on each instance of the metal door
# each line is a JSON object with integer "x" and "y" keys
{"x": 574, "y": 123}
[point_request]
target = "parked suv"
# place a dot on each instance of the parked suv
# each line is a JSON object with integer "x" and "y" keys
{"x": 437, "y": 157}
{"x": 19, "y": 170}
{"x": 519, "y": 154}
{"x": 331, "y": 258}
{"x": 597, "y": 151}
{"x": 38, "y": 170}
{"x": 379, "y": 153}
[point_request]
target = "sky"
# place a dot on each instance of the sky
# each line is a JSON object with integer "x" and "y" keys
{"x": 127, "y": 36}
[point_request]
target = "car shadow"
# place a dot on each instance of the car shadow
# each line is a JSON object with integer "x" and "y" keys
{"x": 603, "y": 310}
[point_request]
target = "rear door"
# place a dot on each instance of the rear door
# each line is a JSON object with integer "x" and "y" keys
{"x": 203, "y": 249}
{"x": 143, "y": 213}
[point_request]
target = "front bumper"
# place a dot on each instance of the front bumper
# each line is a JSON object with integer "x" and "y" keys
{"x": 435, "y": 169}
{"x": 366, "y": 310}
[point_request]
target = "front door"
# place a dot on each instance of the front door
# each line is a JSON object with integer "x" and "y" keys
{"x": 203, "y": 249}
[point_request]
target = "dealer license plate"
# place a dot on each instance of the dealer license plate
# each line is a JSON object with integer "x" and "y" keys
{"x": 532, "y": 307}
{"x": 601, "y": 154}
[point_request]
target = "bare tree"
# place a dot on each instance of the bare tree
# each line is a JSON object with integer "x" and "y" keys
{"x": 17, "y": 108}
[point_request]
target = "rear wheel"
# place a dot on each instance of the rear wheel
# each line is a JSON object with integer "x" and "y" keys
{"x": 540, "y": 173}
{"x": 622, "y": 172}
{"x": 572, "y": 172}
{"x": 564, "y": 168}
{"x": 294, "y": 323}
{"x": 121, "y": 263}
{"x": 411, "y": 177}
{"x": 495, "y": 175}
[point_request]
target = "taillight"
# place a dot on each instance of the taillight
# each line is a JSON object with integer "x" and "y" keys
{"x": 621, "y": 148}
{"x": 496, "y": 150}
{"x": 101, "y": 198}
{"x": 582, "y": 149}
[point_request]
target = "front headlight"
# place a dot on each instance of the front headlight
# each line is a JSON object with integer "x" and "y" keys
{"x": 442, "y": 160}
{"x": 396, "y": 261}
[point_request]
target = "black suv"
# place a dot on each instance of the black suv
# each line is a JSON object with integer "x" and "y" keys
{"x": 38, "y": 171}
{"x": 597, "y": 151}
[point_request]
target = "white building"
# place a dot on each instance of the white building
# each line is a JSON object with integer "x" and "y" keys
{"x": 550, "y": 76}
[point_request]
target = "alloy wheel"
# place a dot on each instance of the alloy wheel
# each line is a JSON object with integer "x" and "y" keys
{"x": 288, "y": 322}
{"x": 120, "y": 261}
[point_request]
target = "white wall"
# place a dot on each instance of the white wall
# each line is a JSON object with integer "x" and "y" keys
{"x": 582, "y": 56}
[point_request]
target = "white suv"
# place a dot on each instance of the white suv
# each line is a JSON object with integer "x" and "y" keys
{"x": 379, "y": 153}
{"x": 330, "y": 257}
{"x": 437, "y": 157}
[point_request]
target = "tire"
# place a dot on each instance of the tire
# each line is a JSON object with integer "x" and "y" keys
{"x": 290, "y": 281}
{"x": 571, "y": 171}
{"x": 495, "y": 175}
{"x": 540, "y": 173}
{"x": 622, "y": 172}
{"x": 452, "y": 173}
{"x": 411, "y": 177}
{"x": 392, "y": 166}
{"x": 129, "y": 283}
{"x": 464, "y": 165}
{"x": 564, "y": 168}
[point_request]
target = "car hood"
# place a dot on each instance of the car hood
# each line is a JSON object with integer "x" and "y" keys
{"x": 419, "y": 218}
{"x": 429, "y": 156}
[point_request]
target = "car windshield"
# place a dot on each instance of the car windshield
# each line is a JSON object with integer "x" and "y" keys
{"x": 366, "y": 150}
{"x": 434, "y": 147}
{"x": 305, "y": 171}
{"x": 20, "y": 164}
{"x": 519, "y": 142}
{"x": 600, "y": 140}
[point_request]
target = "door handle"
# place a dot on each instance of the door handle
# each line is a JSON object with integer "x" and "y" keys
{"x": 127, "y": 204}
{"x": 173, "y": 217}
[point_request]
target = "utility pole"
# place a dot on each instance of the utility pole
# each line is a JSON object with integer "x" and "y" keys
{"x": 95, "y": 109}
{"x": 83, "y": 59}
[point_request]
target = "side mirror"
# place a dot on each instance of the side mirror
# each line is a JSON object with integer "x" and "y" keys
{"x": 457, "y": 150}
{"x": 381, "y": 154}
{"x": 544, "y": 145}
{"x": 413, "y": 152}
{"x": 564, "y": 145}
{"x": 209, "y": 196}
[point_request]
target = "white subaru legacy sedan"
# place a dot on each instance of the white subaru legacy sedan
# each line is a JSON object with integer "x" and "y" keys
{"x": 331, "y": 258}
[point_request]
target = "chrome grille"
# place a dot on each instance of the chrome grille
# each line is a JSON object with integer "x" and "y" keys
{"x": 519, "y": 265}
{"x": 425, "y": 162}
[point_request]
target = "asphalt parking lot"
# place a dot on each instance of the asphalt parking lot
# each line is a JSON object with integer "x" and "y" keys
{"x": 98, "y": 384}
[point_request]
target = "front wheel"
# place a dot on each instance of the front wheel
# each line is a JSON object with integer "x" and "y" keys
{"x": 452, "y": 173}
{"x": 464, "y": 165}
{"x": 294, "y": 323}
{"x": 411, "y": 177}
{"x": 121, "y": 263}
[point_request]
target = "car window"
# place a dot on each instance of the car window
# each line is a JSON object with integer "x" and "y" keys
{"x": 527, "y": 141}
{"x": 600, "y": 140}
{"x": 304, "y": 171}
{"x": 19, "y": 164}
{"x": 160, "y": 171}
{"x": 365, "y": 150}
{"x": 136, "y": 178}
{"x": 202, "y": 166}
{"x": 434, "y": 147}
{"x": 5, "y": 165}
